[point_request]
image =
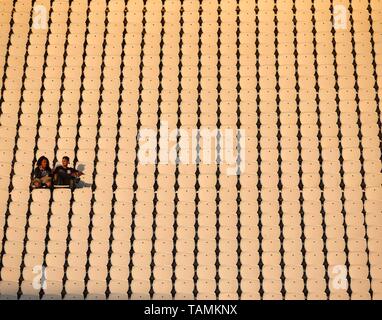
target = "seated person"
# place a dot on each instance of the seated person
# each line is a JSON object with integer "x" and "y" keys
{"x": 42, "y": 174}
{"x": 64, "y": 175}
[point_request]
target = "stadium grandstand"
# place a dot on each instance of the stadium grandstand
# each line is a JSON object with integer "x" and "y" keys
{"x": 222, "y": 149}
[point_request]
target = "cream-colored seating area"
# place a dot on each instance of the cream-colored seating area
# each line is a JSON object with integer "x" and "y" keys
{"x": 303, "y": 220}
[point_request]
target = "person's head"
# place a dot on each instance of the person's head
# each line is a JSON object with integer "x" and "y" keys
{"x": 43, "y": 162}
{"x": 65, "y": 161}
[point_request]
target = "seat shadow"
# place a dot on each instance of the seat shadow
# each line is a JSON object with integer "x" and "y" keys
{"x": 81, "y": 167}
{"x": 82, "y": 184}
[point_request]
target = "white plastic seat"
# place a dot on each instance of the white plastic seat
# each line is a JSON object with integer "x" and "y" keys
{"x": 60, "y": 208}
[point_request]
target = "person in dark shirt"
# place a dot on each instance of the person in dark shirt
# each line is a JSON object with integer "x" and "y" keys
{"x": 65, "y": 175}
{"x": 42, "y": 174}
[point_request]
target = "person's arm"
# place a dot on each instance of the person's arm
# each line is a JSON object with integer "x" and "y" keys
{"x": 77, "y": 173}
{"x": 37, "y": 173}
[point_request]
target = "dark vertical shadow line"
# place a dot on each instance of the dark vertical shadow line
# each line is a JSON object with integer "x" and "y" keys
{"x": 135, "y": 185}
{"x": 300, "y": 159}
{"x": 94, "y": 187}
{"x": 360, "y": 144}
{"x": 80, "y": 102}
{"x": 340, "y": 148}
{"x": 42, "y": 89}
{"x": 156, "y": 173}
{"x": 15, "y": 149}
{"x": 22, "y": 265}
{"x": 116, "y": 159}
{"x": 259, "y": 148}
{"x": 218, "y": 159}
{"x": 279, "y": 158}
{"x": 178, "y": 150}
{"x": 320, "y": 158}
{"x": 197, "y": 172}
{"x": 239, "y": 147}
{"x": 7, "y": 54}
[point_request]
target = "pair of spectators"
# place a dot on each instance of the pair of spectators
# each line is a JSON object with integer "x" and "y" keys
{"x": 62, "y": 175}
